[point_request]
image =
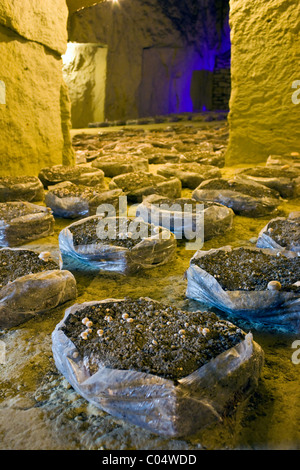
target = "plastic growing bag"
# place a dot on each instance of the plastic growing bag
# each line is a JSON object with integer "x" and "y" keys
{"x": 160, "y": 158}
{"x": 21, "y": 188}
{"x": 34, "y": 294}
{"x": 281, "y": 234}
{"x": 86, "y": 156}
{"x": 285, "y": 179}
{"x": 114, "y": 165}
{"x": 280, "y": 308}
{"x": 190, "y": 174}
{"x": 80, "y": 174}
{"x": 279, "y": 161}
{"x": 72, "y": 201}
{"x": 157, "y": 404}
{"x": 104, "y": 255}
{"x": 216, "y": 158}
{"x": 22, "y": 222}
{"x": 215, "y": 219}
{"x": 244, "y": 197}
{"x": 137, "y": 185}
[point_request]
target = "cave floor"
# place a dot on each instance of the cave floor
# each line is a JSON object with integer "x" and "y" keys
{"x": 40, "y": 411}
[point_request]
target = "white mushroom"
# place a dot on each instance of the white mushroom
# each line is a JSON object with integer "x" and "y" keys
{"x": 46, "y": 256}
{"x": 274, "y": 286}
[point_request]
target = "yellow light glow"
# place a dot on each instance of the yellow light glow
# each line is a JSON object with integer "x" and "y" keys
{"x": 69, "y": 55}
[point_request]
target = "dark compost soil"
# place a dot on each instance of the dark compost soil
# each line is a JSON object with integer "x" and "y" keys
{"x": 149, "y": 337}
{"x": 86, "y": 233}
{"x": 17, "y": 263}
{"x": 248, "y": 270}
{"x": 285, "y": 233}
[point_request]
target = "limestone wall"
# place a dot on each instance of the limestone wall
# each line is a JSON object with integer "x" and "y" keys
{"x": 39, "y": 21}
{"x": 84, "y": 72}
{"x": 265, "y": 38}
{"x": 35, "y": 119}
{"x": 126, "y": 29}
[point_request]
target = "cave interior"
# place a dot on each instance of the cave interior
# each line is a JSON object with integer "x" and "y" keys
{"x": 142, "y": 103}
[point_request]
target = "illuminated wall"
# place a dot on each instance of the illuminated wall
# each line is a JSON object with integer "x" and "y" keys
{"x": 84, "y": 72}
{"x": 265, "y": 38}
{"x": 34, "y": 108}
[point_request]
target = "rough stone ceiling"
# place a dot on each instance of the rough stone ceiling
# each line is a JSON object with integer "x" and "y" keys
{"x": 189, "y": 16}
{"x": 75, "y": 5}
{"x": 194, "y": 19}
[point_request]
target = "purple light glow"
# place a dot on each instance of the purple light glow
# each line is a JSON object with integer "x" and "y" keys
{"x": 180, "y": 80}
{"x": 180, "y": 96}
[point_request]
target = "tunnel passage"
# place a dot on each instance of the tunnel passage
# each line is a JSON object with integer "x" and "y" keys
{"x": 177, "y": 62}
